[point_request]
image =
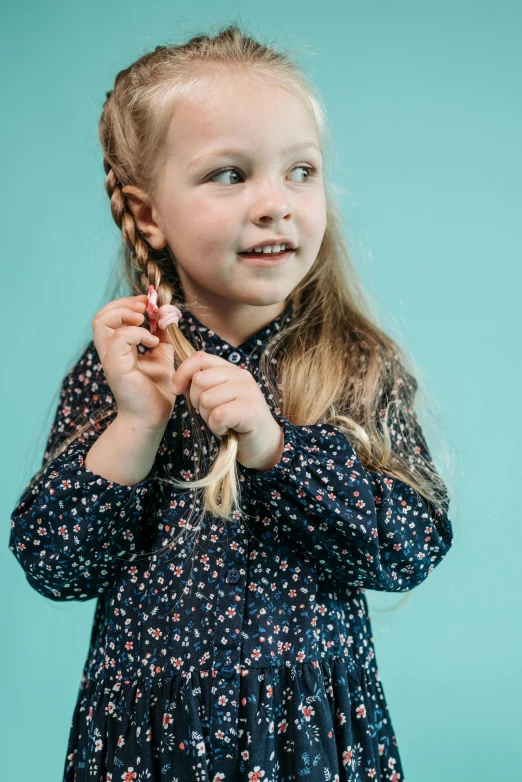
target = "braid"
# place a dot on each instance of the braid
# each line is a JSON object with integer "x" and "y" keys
{"x": 124, "y": 219}
{"x": 222, "y": 494}
{"x": 148, "y": 271}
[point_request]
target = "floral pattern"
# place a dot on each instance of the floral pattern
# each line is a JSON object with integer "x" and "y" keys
{"x": 244, "y": 651}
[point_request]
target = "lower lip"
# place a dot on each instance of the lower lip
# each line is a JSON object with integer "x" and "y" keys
{"x": 266, "y": 259}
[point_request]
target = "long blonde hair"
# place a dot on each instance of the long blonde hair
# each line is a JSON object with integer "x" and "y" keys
{"x": 332, "y": 363}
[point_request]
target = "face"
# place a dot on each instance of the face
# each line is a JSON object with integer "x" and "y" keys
{"x": 210, "y": 209}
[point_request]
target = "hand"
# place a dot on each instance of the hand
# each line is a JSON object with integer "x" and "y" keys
{"x": 140, "y": 383}
{"x": 228, "y": 398}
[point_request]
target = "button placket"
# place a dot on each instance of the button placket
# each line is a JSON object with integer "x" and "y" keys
{"x": 229, "y": 607}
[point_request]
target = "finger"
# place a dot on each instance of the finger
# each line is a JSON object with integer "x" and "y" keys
{"x": 106, "y": 323}
{"x": 133, "y": 302}
{"x": 118, "y": 316}
{"x": 108, "y": 320}
{"x": 207, "y": 378}
{"x": 207, "y": 400}
{"x": 124, "y": 338}
{"x": 198, "y": 362}
{"x": 227, "y": 417}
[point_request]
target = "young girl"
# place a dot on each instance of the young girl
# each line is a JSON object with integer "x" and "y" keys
{"x": 236, "y": 456}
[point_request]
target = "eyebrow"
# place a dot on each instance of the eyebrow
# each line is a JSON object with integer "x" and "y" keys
{"x": 233, "y": 151}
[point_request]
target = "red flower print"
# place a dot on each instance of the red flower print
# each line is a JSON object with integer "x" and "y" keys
{"x": 307, "y": 712}
{"x": 361, "y": 711}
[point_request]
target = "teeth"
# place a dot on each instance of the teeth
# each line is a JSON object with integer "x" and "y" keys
{"x": 268, "y": 248}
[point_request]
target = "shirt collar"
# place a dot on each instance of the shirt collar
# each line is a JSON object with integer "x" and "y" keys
{"x": 208, "y": 340}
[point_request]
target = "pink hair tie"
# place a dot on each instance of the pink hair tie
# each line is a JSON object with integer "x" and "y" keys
{"x": 162, "y": 316}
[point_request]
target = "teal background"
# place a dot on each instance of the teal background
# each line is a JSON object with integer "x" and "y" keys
{"x": 424, "y": 101}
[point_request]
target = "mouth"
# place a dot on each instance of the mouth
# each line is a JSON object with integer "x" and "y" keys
{"x": 266, "y": 259}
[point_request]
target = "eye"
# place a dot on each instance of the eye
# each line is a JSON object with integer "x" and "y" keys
{"x": 220, "y": 173}
{"x": 311, "y": 172}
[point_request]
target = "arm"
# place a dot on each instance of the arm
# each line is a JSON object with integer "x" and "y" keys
{"x": 362, "y": 528}
{"x": 69, "y": 530}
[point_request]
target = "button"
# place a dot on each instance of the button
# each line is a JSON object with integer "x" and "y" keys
{"x": 234, "y": 357}
{"x": 227, "y": 671}
{"x": 233, "y": 576}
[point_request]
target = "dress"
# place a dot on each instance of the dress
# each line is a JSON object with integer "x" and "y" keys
{"x": 247, "y": 655}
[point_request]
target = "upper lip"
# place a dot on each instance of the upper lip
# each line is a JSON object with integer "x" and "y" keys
{"x": 277, "y": 240}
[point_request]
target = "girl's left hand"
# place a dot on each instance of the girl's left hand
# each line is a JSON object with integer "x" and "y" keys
{"x": 228, "y": 397}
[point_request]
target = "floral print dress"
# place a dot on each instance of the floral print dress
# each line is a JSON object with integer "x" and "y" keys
{"x": 245, "y": 652}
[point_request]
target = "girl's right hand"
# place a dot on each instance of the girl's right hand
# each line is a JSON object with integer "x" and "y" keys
{"x": 140, "y": 383}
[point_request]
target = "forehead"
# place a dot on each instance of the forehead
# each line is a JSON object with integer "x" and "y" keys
{"x": 239, "y": 111}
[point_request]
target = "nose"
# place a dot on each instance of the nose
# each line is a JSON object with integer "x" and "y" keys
{"x": 271, "y": 205}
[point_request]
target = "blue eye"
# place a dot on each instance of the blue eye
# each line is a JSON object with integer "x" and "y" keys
{"x": 309, "y": 169}
{"x": 225, "y": 171}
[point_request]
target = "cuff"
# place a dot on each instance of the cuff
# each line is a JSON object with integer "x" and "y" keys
{"x": 284, "y": 469}
{"x": 68, "y": 472}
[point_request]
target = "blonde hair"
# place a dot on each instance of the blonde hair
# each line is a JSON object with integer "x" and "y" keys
{"x": 332, "y": 363}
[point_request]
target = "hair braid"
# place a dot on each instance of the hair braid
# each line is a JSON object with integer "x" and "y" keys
{"x": 222, "y": 494}
{"x": 124, "y": 219}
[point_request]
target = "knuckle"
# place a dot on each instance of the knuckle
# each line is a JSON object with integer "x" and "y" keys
{"x": 217, "y": 416}
{"x": 204, "y": 398}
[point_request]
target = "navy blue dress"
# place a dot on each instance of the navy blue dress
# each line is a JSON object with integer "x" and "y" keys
{"x": 243, "y": 654}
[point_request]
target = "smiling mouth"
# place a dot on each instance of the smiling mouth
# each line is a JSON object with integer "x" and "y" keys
{"x": 267, "y": 259}
{"x": 253, "y": 254}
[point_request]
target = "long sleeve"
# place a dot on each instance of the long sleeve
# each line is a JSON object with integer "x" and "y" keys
{"x": 70, "y": 528}
{"x": 362, "y": 528}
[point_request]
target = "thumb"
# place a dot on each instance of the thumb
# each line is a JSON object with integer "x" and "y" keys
{"x": 164, "y": 349}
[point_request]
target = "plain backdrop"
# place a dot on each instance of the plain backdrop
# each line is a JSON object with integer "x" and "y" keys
{"x": 424, "y": 103}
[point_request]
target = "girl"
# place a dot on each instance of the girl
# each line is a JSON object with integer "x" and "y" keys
{"x": 236, "y": 645}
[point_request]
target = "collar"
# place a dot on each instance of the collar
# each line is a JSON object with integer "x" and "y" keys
{"x": 250, "y": 350}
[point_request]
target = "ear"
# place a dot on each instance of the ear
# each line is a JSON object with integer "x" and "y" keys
{"x": 144, "y": 216}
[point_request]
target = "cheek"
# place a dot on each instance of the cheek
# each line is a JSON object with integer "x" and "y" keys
{"x": 314, "y": 223}
{"x": 214, "y": 230}
{"x": 213, "y": 214}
